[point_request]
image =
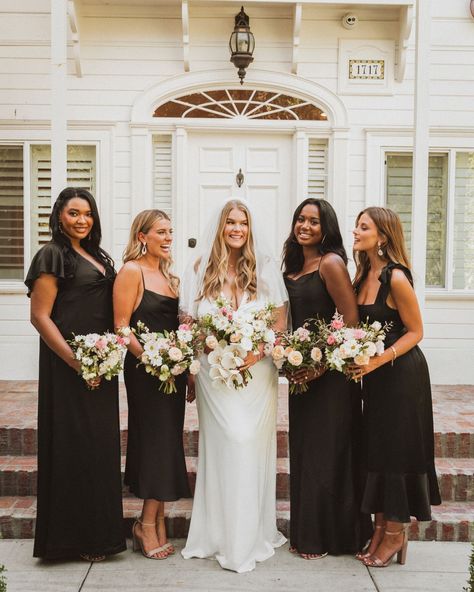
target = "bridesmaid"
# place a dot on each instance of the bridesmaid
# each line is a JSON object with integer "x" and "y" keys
{"x": 147, "y": 291}
{"x": 324, "y": 506}
{"x": 79, "y": 508}
{"x": 399, "y": 454}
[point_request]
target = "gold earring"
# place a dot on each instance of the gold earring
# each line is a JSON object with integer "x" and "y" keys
{"x": 379, "y": 252}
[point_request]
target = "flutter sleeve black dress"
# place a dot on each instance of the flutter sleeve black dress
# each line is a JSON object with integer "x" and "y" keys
{"x": 79, "y": 506}
{"x": 398, "y": 424}
{"x": 155, "y": 466}
{"x": 323, "y": 424}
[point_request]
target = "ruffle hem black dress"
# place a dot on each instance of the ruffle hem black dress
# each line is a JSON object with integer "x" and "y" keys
{"x": 323, "y": 425}
{"x": 79, "y": 507}
{"x": 398, "y": 424}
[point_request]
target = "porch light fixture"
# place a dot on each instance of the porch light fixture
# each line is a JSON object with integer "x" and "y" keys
{"x": 241, "y": 44}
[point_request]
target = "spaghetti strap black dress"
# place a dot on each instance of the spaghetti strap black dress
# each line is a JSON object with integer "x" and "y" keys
{"x": 79, "y": 505}
{"x": 155, "y": 465}
{"x": 323, "y": 426}
{"x": 398, "y": 424}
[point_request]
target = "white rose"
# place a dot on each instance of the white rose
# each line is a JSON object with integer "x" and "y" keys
{"x": 177, "y": 370}
{"x": 247, "y": 330}
{"x": 268, "y": 349}
{"x": 376, "y": 326}
{"x": 278, "y": 353}
{"x": 361, "y": 360}
{"x": 380, "y": 347}
{"x": 370, "y": 349}
{"x": 211, "y": 342}
{"x": 316, "y": 354}
{"x": 269, "y": 336}
{"x": 246, "y": 343}
{"x": 295, "y": 358}
{"x": 175, "y": 354}
{"x": 195, "y": 367}
{"x": 235, "y": 337}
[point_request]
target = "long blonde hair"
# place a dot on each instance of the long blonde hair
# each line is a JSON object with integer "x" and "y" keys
{"x": 390, "y": 228}
{"x": 216, "y": 270}
{"x": 143, "y": 223}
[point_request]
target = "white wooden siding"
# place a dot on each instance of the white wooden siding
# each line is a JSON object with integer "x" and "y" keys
{"x": 127, "y": 49}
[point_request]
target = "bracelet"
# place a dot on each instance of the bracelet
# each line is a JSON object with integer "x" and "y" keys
{"x": 394, "y": 351}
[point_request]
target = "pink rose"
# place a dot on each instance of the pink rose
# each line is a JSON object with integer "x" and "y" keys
{"x": 184, "y": 327}
{"x": 358, "y": 333}
{"x": 331, "y": 340}
{"x": 123, "y": 340}
{"x": 101, "y": 343}
{"x": 337, "y": 324}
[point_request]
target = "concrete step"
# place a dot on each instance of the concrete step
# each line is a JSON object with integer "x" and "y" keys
{"x": 453, "y": 521}
{"x": 456, "y": 477}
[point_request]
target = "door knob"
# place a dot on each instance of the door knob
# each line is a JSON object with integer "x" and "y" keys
{"x": 192, "y": 242}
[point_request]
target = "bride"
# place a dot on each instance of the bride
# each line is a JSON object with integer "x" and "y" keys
{"x": 234, "y": 510}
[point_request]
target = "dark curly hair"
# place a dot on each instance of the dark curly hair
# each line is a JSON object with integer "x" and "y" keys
{"x": 91, "y": 243}
{"x": 293, "y": 258}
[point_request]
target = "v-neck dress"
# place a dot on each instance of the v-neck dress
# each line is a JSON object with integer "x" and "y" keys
{"x": 79, "y": 506}
{"x": 155, "y": 464}
{"x": 323, "y": 425}
{"x": 398, "y": 423}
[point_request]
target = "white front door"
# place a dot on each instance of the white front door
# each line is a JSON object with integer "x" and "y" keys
{"x": 264, "y": 162}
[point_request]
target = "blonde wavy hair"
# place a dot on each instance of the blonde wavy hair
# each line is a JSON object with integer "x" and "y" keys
{"x": 143, "y": 223}
{"x": 216, "y": 270}
{"x": 393, "y": 246}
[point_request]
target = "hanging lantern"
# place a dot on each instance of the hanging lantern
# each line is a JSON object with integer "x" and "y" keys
{"x": 241, "y": 44}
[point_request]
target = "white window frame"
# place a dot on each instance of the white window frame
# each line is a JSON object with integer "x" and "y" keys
{"x": 39, "y": 135}
{"x": 380, "y": 142}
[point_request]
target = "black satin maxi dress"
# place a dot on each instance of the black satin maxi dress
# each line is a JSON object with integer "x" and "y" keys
{"x": 323, "y": 426}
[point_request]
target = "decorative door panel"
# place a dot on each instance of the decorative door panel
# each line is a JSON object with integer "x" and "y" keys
{"x": 263, "y": 163}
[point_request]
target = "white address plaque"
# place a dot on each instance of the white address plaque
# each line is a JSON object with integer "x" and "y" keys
{"x": 366, "y": 69}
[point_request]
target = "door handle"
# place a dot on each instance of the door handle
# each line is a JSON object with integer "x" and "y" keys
{"x": 239, "y": 178}
{"x": 192, "y": 242}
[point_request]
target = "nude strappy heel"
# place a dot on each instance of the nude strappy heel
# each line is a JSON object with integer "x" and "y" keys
{"x": 138, "y": 543}
{"x": 364, "y": 554}
{"x": 374, "y": 561}
{"x": 167, "y": 546}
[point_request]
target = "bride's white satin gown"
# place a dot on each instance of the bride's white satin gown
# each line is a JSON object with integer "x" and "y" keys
{"x": 234, "y": 508}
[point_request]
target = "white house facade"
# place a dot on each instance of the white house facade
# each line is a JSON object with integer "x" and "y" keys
{"x": 367, "y": 103}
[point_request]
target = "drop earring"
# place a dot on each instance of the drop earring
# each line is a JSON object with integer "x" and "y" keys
{"x": 379, "y": 252}
{"x": 144, "y": 249}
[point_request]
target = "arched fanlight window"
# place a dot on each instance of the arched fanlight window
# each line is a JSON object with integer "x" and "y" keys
{"x": 248, "y": 104}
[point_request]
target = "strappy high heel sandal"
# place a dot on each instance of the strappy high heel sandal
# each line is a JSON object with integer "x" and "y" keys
{"x": 138, "y": 543}
{"x": 167, "y": 546}
{"x": 364, "y": 553}
{"x": 374, "y": 561}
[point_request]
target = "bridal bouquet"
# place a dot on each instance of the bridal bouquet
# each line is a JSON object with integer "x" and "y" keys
{"x": 350, "y": 345}
{"x": 295, "y": 351}
{"x": 99, "y": 355}
{"x": 169, "y": 354}
{"x": 231, "y": 335}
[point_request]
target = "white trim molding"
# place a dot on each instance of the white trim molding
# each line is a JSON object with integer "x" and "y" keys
{"x": 144, "y": 107}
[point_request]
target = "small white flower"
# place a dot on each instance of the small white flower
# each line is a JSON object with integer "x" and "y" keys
{"x": 380, "y": 347}
{"x": 370, "y": 349}
{"x": 361, "y": 359}
{"x": 269, "y": 336}
{"x": 246, "y": 343}
{"x": 211, "y": 342}
{"x": 278, "y": 353}
{"x": 247, "y": 330}
{"x": 376, "y": 326}
{"x": 86, "y": 361}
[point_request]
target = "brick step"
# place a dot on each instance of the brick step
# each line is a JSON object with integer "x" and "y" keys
{"x": 455, "y": 476}
{"x": 18, "y": 476}
{"x": 453, "y": 521}
{"x": 453, "y": 407}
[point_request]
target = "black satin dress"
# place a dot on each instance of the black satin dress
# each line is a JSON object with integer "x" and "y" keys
{"x": 398, "y": 424}
{"x": 155, "y": 466}
{"x": 323, "y": 426}
{"x": 79, "y": 507}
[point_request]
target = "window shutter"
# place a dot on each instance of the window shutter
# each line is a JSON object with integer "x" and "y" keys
{"x": 81, "y": 172}
{"x": 463, "y": 235}
{"x": 162, "y": 173}
{"x": 399, "y": 199}
{"x": 317, "y": 168}
{"x": 11, "y": 212}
